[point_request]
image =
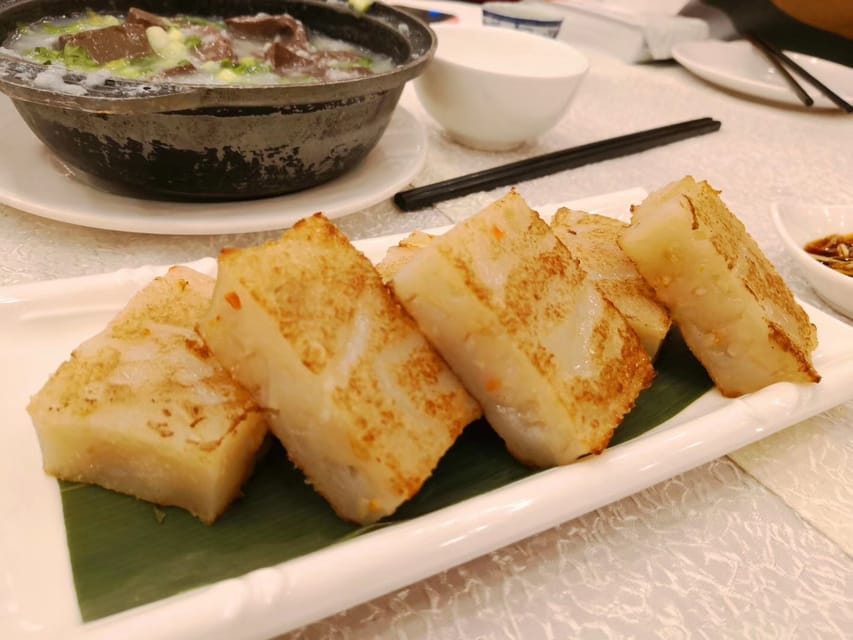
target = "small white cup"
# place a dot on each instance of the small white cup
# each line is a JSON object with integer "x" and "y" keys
{"x": 495, "y": 89}
{"x": 523, "y": 16}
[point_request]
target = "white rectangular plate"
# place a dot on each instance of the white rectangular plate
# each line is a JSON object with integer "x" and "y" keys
{"x": 41, "y": 323}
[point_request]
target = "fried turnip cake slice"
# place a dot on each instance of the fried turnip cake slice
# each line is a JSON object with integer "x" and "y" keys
{"x": 143, "y": 407}
{"x": 592, "y": 239}
{"x": 401, "y": 254}
{"x": 734, "y": 310}
{"x": 554, "y": 365}
{"x": 363, "y": 404}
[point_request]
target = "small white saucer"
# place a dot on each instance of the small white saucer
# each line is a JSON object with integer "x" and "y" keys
{"x": 739, "y": 66}
{"x": 801, "y": 223}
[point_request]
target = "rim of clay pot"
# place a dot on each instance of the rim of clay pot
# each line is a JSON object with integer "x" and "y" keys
{"x": 20, "y": 79}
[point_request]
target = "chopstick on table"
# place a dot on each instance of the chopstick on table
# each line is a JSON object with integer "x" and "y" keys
{"x": 553, "y": 162}
{"x": 781, "y": 60}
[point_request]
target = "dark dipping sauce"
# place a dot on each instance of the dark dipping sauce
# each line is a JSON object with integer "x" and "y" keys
{"x": 835, "y": 251}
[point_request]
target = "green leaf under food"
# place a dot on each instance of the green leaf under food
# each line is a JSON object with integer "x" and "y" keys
{"x": 680, "y": 379}
{"x": 123, "y": 554}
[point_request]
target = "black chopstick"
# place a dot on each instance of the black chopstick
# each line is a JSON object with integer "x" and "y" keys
{"x": 775, "y": 52}
{"x": 553, "y": 162}
{"x": 796, "y": 87}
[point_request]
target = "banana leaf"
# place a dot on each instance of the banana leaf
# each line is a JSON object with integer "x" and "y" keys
{"x": 126, "y": 552}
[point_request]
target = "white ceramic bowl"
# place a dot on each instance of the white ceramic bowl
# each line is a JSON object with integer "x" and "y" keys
{"x": 534, "y": 17}
{"x": 494, "y": 89}
{"x": 799, "y": 224}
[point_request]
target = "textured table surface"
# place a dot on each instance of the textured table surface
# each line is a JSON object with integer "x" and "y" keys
{"x": 757, "y": 544}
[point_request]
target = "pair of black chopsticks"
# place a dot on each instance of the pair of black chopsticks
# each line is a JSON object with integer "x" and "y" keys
{"x": 553, "y": 162}
{"x": 782, "y": 62}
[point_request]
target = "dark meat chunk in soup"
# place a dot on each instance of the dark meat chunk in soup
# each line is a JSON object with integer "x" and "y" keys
{"x": 284, "y": 56}
{"x": 110, "y": 43}
{"x": 215, "y": 45}
{"x": 289, "y": 57}
{"x": 181, "y": 70}
{"x": 146, "y": 19}
{"x": 267, "y": 27}
{"x": 349, "y": 59}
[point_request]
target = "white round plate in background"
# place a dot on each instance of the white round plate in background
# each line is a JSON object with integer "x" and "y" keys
{"x": 741, "y": 67}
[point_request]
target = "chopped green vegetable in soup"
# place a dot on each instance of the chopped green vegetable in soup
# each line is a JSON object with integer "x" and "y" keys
{"x": 259, "y": 49}
{"x": 91, "y": 20}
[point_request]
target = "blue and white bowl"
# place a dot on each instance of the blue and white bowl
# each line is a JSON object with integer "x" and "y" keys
{"x": 523, "y": 16}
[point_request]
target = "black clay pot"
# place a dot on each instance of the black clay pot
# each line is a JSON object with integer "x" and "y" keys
{"x": 214, "y": 142}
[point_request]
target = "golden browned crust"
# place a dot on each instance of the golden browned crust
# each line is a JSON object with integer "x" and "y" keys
{"x": 90, "y": 380}
{"x": 373, "y": 368}
{"x": 523, "y": 287}
{"x": 399, "y": 255}
{"x": 144, "y": 408}
{"x": 593, "y": 240}
{"x": 737, "y": 314}
{"x": 759, "y": 277}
